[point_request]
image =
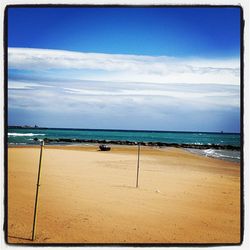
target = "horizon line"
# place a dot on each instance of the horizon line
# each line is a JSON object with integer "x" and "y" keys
{"x": 125, "y": 130}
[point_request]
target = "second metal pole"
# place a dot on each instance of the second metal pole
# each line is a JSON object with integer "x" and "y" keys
{"x": 138, "y": 165}
{"x": 37, "y": 192}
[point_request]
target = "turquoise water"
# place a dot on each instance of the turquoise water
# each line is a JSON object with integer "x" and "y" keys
{"x": 19, "y": 136}
{"x": 26, "y": 136}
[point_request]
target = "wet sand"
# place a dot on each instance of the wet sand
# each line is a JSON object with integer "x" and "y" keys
{"x": 89, "y": 196}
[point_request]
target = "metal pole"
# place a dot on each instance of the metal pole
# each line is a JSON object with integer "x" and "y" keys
{"x": 138, "y": 165}
{"x": 37, "y": 192}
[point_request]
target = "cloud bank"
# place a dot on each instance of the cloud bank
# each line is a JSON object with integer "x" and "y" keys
{"x": 88, "y": 90}
{"x": 136, "y": 68}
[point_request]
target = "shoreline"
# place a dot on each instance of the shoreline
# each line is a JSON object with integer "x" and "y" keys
{"x": 191, "y": 150}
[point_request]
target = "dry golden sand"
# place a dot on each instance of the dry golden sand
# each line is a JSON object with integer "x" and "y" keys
{"x": 89, "y": 196}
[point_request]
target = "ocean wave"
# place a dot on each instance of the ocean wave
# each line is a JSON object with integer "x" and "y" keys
{"x": 219, "y": 154}
{"x": 209, "y": 151}
{"x": 14, "y": 143}
{"x": 223, "y": 154}
{"x": 26, "y": 134}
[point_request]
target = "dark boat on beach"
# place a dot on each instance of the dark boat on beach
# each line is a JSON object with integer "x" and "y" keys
{"x": 104, "y": 148}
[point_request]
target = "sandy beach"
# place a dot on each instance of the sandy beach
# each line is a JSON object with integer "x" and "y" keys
{"x": 89, "y": 196}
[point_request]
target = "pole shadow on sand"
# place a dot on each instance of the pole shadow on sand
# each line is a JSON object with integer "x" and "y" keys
{"x": 19, "y": 238}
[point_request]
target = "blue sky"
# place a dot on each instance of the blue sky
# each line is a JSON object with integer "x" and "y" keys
{"x": 125, "y": 68}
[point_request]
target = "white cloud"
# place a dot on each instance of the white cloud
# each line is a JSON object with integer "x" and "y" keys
{"x": 120, "y": 91}
{"x": 151, "y": 92}
{"x": 73, "y": 96}
{"x": 128, "y": 68}
{"x": 24, "y": 85}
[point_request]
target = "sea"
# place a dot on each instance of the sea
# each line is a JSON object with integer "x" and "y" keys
{"x": 25, "y": 136}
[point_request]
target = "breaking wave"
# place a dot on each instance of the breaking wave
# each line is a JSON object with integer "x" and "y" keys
{"x": 26, "y": 134}
{"x": 219, "y": 154}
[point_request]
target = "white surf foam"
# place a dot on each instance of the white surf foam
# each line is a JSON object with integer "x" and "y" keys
{"x": 219, "y": 154}
{"x": 26, "y": 134}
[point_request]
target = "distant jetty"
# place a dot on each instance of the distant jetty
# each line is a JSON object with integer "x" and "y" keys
{"x": 152, "y": 144}
{"x": 24, "y": 126}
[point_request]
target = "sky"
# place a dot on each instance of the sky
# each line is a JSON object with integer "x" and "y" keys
{"x": 172, "y": 69}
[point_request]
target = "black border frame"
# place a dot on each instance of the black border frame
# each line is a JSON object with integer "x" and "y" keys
{"x": 5, "y": 44}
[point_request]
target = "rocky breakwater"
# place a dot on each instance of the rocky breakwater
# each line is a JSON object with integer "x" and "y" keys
{"x": 152, "y": 144}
